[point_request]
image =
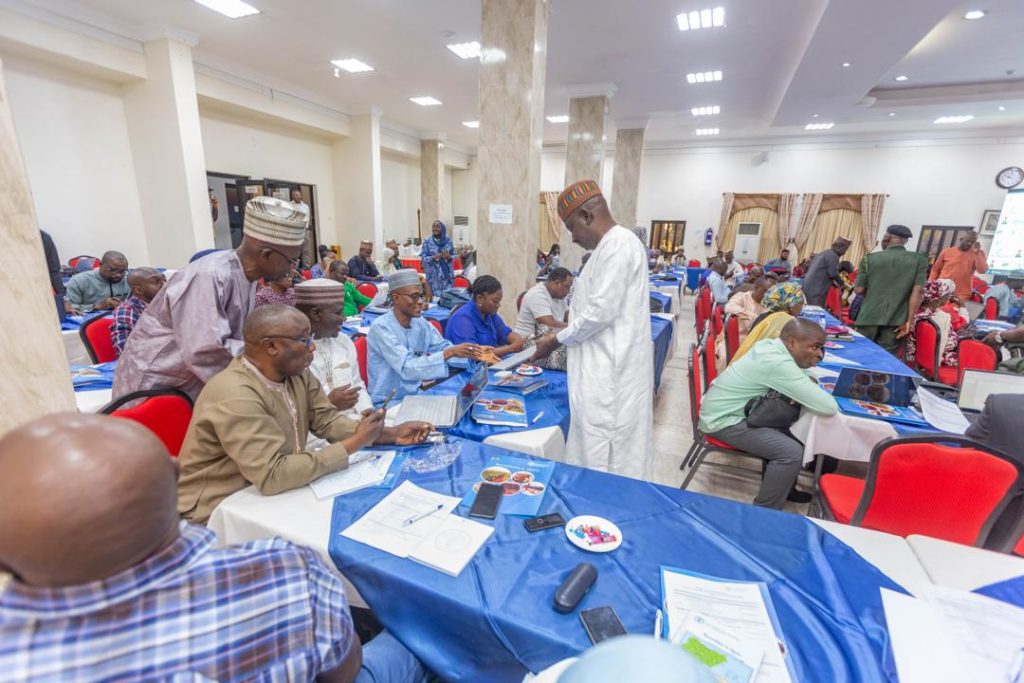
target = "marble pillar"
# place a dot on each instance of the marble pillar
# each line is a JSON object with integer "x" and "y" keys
{"x": 513, "y": 60}
{"x": 34, "y": 378}
{"x": 167, "y": 147}
{"x": 357, "y": 184}
{"x": 431, "y": 185}
{"x": 584, "y": 156}
{"x": 629, "y": 157}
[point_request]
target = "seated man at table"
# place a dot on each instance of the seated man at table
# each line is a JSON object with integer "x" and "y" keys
{"x": 335, "y": 362}
{"x": 99, "y": 289}
{"x": 354, "y": 299}
{"x": 1015, "y": 338}
{"x": 1005, "y": 290}
{"x": 745, "y": 307}
{"x": 781, "y": 264}
{"x": 543, "y": 307}
{"x": 778, "y": 364}
{"x": 404, "y": 349}
{"x": 361, "y": 266}
{"x": 103, "y": 581}
{"x": 252, "y": 420}
{"x": 716, "y": 282}
{"x": 478, "y": 322}
{"x": 146, "y": 283}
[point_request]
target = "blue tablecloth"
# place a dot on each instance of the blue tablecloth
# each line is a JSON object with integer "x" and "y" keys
{"x": 72, "y": 322}
{"x": 661, "y": 333}
{"x": 93, "y": 377}
{"x": 993, "y": 325}
{"x": 495, "y": 620}
{"x": 693, "y": 274}
{"x": 866, "y": 353}
{"x": 1011, "y": 591}
{"x": 664, "y": 299}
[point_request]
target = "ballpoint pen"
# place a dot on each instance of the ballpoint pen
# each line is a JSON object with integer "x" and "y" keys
{"x": 537, "y": 417}
{"x": 658, "y": 617}
{"x": 422, "y": 515}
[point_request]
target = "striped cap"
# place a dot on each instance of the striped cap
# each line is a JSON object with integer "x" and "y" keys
{"x": 275, "y": 221}
{"x": 575, "y": 196}
{"x": 320, "y": 292}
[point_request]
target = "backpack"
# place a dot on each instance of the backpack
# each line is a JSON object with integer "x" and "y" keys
{"x": 453, "y": 297}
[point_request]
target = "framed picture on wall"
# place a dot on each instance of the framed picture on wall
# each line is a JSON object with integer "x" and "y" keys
{"x": 989, "y": 221}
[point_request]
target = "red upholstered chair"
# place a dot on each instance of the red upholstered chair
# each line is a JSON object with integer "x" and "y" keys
{"x": 361, "y": 353}
{"x": 165, "y": 412}
{"x": 367, "y": 289}
{"x": 732, "y": 337}
{"x": 437, "y": 326}
{"x": 460, "y": 281}
{"x": 457, "y": 263}
{"x": 974, "y": 355}
{"x": 307, "y": 275}
{"x": 718, "y": 318}
{"x": 834, "y": 303}
{"x": 944, "y": 486}
{"x": 95, "y": 261}
{"x": 991, "y": 309}
{"x": 95, "y": 335}
{"x": 928, "y": 357}
{"x": 709, "y": 365}
{"x": 978, "y": 285}
{"x": 693, "y": 263}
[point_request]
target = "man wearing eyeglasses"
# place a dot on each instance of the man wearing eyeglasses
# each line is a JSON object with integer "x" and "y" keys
{"x": 101, "y": 289}
{"x": 193, "y": 328}
{"x": 252, "y": 421}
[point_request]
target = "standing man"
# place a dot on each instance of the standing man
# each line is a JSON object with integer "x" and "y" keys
{"x": 610, "y": 355}
{"x": 824, "y": 272}
{"x": 890, "y": 282}
{"x": 297, "y": 203}
{"x": 959, "y": 264}
{"x": 193, "y": 328}
{"x": 146, "y": 283}
{"x": 361, "y": 266}
{"x": 779, "y": 265}
{"x": 100, "y": 289}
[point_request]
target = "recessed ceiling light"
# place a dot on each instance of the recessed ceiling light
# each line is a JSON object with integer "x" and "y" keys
{"x": 469, "y": 50}
{"x": 705, "y": 111}
{"x": 975, "y": 14}
{"x": 892, "y": 113}
{"x": 901, "y": 78}
{"x": 353, "y": 66}
{"x": 818, "y": 126}
{"x": 471, "y": 124}
{"x": 561, "y": 118}
{"x": 426, "y": 101}
{"x": 232, "y": 9}
{"x": 1002, "y": 108}
{"x": 704, "y": 77}
{"x": 707, "y": 131}
{"x": 814, "y": 116}
{"x": 846, "y": 64}
{"x": 954, "y": 119}
{"x": 705, "y": 18}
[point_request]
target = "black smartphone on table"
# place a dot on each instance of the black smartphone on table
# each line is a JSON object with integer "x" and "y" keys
{"x": 602, "y": 623}
{"x": 488, "y": 498}
{"x": 545, "y": 522}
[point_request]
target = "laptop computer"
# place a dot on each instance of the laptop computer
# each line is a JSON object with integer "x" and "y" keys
{"x": 978, "y": 385}
{"x": 509, "y": 362}
{"x": 879, "y": 395}
{"x": 445, "y": 411}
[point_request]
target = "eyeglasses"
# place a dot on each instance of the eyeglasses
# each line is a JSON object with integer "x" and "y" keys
{"x": 293, "y": 261}
{"x": 417, "y": 296}
{"x": 306, "y": 341}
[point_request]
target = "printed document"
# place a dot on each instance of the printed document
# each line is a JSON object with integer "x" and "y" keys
{"x": 383, "y": 527}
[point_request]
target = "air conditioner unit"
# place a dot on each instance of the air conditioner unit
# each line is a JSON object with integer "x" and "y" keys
{"x": 748, "y": 242}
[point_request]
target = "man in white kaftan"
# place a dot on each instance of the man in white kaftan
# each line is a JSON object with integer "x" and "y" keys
{"x": 610, "y": 353}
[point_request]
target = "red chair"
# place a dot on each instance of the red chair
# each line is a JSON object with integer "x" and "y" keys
{"x": 928, "y": 357}
{"x": 457, "y": 263}
{"x": 460, "y": 281}
{"x": 367, "y": 289}
{"x": 978, "y": 285}
{"x": 693, "y": 263}
{"x": 991, "y": 309}
{"x": 307, "y": 275}
{"x": 437, "y": 326}
{"x": 718, "y": 318}
{"x": 361, "y": 352}
{"x": 944, "y": 486}
{"x": 414, "y": 263}
{"x": 974, "y": 355}
{"x": 95, "y": 261}
{"x": 732, "y": 337}
{"x": 165, "y": 412}
{"x": 707, "y": 352}
{"x": 834, "y": 303}
{"x": 95, "y": 335}
{"x": 703, "y": 308}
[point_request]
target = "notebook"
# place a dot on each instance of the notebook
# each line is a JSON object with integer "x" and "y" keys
{"x": 452, "y": 545}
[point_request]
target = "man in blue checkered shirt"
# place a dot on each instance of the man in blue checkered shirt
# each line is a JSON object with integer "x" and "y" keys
{"x": 100, "y": 580}
{"x": 146, "y": 283}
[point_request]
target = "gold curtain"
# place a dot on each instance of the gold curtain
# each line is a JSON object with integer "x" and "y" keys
{"x": 550, "y": 224}
{"x": 831, "y": 225}
{"x": 769, "y": 220}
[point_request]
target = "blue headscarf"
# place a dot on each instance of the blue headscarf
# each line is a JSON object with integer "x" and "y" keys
{"x": 444, "y": 232}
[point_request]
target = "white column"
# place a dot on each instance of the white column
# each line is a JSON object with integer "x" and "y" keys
{"x": 629, "y": 157}
{"x": 432, "y": 184}
{"x": 357, "y": 185}
{"x": 167, "y": 148}
{"x": 34, "y": 378}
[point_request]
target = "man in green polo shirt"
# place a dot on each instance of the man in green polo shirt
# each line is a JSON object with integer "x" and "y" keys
{"x": 354, "y": 299}
{"x": 890, "y": 282}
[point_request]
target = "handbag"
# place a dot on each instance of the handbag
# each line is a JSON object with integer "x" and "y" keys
{"x": 772, "y": 410}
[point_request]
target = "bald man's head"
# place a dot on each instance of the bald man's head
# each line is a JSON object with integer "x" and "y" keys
{"x": 278, "y": 340}
{"x": 805, "y": 341}
{"x": 83, "y": 497}
{"x": 146, "y": 282}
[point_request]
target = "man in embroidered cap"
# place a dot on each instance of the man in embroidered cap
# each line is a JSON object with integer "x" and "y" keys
{"x": 193, "y": 327}
{"x": 610, "y": 355}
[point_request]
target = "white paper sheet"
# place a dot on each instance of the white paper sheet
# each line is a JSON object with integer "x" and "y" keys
{"x": 941, "y": 414}
{"x": 924, "y": 647}
{"x": 364, "y": 469}
{"x": 736, "y": 607}
{"x": 452, "y": 545}
{"x": 832, "y": 359}
{"x": 381, "y": 527}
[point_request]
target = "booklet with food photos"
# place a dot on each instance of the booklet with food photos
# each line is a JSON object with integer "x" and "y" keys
{"x": 496, "y": 408}
{"x": 519, "y": 384}
{"x": 523, "y": 482}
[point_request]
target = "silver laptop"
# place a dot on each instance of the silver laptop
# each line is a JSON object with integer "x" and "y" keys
{"x": 515, "y": 359}
{"x": 978, "y": 385}
{"x": 445, "y": 411}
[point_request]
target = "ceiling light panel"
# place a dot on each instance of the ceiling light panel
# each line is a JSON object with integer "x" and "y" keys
{"x": 706, "y": 111}
{"x": 819, "y": 126}
{"x": 901, "y": 78}
{"x": 975, "y": 14}
{"x": 469, "y": 50}
{"x": 698, "y": 19}
{"x": 471, "y": 124}
{"x": 426, "y": 101}
{"x": 704, "y": 77}
{"x": 560, "y": 118}
{"x": 232, "y": 9}
{"x": 352, "y": 65}
{"x": 707, "y": 131}
{"x": 954, "y": 119}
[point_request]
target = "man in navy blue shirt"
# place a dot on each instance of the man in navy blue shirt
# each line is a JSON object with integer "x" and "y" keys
{"x": 361, "y": 266}
{"x": 478, "y": 322}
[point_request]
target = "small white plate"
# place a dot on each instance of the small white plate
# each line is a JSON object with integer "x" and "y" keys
{"x": 529, "y": 370}
{"x": 591, "y": 521}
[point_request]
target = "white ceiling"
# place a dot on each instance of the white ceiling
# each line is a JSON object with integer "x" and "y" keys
{"x": 781, "y": 60}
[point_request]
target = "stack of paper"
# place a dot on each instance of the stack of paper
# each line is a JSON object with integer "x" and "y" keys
{"x": 417, "y": 524}
{"x": 364, "y": 469}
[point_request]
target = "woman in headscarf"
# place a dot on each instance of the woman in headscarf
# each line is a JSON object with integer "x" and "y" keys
{"x": 782, "y": 303}
{"x": 934, "y": 297}
{"x": 436, "y": 256}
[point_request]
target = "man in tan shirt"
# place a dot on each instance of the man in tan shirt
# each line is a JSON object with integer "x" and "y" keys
{"x": 252, "y": 420}
{"x": 959, "y": 264}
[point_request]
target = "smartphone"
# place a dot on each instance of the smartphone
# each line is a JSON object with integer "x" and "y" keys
{"x": 546, "y": 522}
{"x": 602, "y": 623}
{"x": 488, "y": 498}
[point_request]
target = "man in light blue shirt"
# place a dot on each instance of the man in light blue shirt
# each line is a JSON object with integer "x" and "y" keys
{"x": 1004, "y": 291}
{"x": 404, "y": 349}
{"x": 780, "y": 364}
{"x": 716, "y": 281}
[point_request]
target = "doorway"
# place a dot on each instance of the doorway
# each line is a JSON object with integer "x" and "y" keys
{"x": 935, "y": 238}
{"x": 667, "y": 236}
